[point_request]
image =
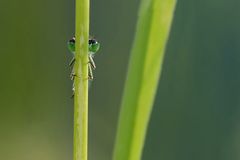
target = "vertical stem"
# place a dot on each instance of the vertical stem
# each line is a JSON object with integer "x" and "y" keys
{"x": 81, "y": 81}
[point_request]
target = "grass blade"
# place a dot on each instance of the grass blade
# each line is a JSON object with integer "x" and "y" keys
{"x": 155, "y": 17}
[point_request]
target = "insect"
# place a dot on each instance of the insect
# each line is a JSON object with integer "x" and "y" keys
{"x": 93, "y": 47}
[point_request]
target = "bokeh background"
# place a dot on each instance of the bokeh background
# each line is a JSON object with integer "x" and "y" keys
{"x": 196, "y": 114}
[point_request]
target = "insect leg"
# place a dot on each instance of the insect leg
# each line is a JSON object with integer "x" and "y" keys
{"x": 71, "y": 65}
{"x": 90, "y": 73}
{"x": 72, "y": 62}
{"x": 91, "y": 61}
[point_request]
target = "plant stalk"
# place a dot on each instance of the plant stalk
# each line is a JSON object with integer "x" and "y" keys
{"x": 80, "y": 144}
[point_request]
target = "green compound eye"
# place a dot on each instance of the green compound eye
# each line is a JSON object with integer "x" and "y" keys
{"x": 71, "y": 45}
{"x": 93, "y": 45}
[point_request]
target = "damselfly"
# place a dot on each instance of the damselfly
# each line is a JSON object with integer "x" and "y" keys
{"x": 93, "y": 47}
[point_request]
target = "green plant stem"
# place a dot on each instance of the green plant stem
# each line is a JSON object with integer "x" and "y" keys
{"x": 81, "y": 81}
{"x": 155, "y": 17}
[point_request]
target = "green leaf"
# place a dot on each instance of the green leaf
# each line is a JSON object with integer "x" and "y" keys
{"x": 155, "y": 17}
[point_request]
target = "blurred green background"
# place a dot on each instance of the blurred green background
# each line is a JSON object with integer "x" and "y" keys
{"x": 196, "y": 115}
